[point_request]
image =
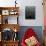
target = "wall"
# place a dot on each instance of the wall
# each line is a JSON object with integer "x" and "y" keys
{"x": 39, "y": 13}
{"x": 22, "y": 21}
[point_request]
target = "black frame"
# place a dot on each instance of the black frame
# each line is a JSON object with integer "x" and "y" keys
{"x": 30, "y": 12}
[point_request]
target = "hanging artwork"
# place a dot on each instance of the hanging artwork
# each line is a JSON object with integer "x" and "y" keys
{"x": 30, "y": 12}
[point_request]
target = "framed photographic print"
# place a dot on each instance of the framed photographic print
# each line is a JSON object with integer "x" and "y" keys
{"x": 5, "y": 12}
{"x": 13, "y": 12}
{"x": 13, "y": 20}
{"x": 7, "y": 34}
{"x": 30, "y": 12}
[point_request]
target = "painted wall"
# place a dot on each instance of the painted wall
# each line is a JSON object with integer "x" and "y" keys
{"x": 39, "y": 13}
{"x": 22, "y": 21}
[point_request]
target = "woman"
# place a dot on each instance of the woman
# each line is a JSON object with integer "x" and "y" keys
{"x": 30, "y": 38}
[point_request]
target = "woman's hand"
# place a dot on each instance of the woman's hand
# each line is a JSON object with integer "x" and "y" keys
{"x": 32, "y": 41}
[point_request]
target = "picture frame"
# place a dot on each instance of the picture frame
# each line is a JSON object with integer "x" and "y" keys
{"x": 6, "y": 34}
{"x": 5, "y": 12}
{"x": 13, "y": 20}
{"x": 9, "y": 34}
{"x": 30, "y": 12}
{"x": 13, "y": 12}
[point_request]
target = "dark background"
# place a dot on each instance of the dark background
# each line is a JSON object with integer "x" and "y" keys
{"x": 30, "y": 12}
